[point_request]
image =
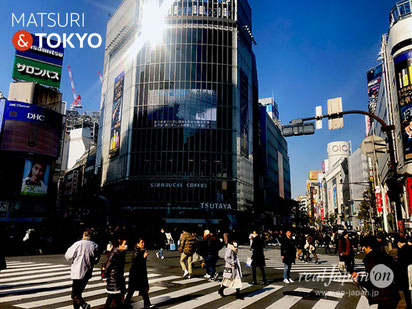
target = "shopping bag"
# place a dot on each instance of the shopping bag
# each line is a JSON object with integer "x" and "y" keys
{"x": 249, "y": 262}
{"x": 341, "y": 266}
{"x": 172, "y": 247}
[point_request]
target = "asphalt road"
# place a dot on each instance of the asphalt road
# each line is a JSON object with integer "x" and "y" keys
{"x": 44, "y": 282}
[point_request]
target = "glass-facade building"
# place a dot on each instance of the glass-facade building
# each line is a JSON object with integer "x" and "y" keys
{"x": 176, "y": 130}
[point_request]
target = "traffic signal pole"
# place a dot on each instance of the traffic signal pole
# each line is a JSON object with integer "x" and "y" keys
{"x": 385, "y": 128}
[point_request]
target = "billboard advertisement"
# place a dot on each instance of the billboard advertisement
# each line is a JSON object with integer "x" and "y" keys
{"x": 403, "y": 77}
{"x": 244, "y": 109}
{"x": 116, "y": 115}
{"x": 374, "y": 77}
{"x": 35, "y": 177}
{"x": 313, "y": 175}
{"x": 31, "y": 128}
{"x": 183, "y": 108}
{"x": 40, "y": 64}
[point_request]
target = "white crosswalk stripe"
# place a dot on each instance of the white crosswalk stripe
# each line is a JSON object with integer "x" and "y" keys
{"x": 289, "y": 300}
{"x": 44, "y": 289}
{"x": 203, "y": 300}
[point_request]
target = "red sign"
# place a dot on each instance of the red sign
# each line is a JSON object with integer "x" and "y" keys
{"x": 409, "y": 185}
{"x": 378, "y": 200}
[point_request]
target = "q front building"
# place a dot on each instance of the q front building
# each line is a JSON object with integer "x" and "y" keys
{"x": 176, "y": 134}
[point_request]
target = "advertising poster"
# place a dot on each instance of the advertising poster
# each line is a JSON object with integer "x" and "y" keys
{"x": 183, "y": 108}
{"x": 31, "y": 128}
{"x": 244, "y": 109}
{"x": 41, "y": 63}
{"x": 116, "y": 116}
{"x": 35, "y": 177}
{"x": 403, "y": 77}
{"x": 313, "y": 175}
{"x": 373, "y": 77}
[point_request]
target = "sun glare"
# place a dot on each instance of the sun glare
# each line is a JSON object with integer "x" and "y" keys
{"x": 153, "y": 22}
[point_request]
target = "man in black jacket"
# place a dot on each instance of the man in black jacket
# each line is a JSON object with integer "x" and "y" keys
{"x": 379, "y": 280}
{"x": 404, "y": 259}
{"x": 288, "y": 253}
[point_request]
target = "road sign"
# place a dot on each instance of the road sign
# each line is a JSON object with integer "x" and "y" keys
{"x": 335, "y": 106}
{"x": 318, "y": 121}
{"x": 373, "y": 145}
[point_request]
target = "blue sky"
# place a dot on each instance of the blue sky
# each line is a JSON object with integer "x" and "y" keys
{"x": 307, "y": 52}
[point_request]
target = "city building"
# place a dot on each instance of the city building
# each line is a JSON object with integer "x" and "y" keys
{"x": 80, "y": 134}
{"x": 358, "y": 182}
{"x": 389, "y": 86}
{"x": 336, "y": 182}
{"x": 271, "y": 162}
{"x": 31, "y": 126}
{"x": 177, "y": 117}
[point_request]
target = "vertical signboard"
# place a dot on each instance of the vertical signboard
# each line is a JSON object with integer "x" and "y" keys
{"x": 280, "y": 173}
{"x": 378, "y": 199}
{"x": 35, "y": 177}
{"x": 116, "y": 116}
{"x": 244, "y": 123}
{"x": 409, "y": 185}
{"x": 403, "y": 77}
{"x": 373, "y": 77}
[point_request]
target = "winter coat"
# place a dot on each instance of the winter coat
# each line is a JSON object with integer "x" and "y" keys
{"x": 258, "y": 257}
{"x": 344, "y": 246}
{"x": 138, "y": 271}
{"x": 115, "y": 272}
{"x": 404, "y": 259}
{"x": 288, "y": 250}
{"x": 83, "y": 254}
{"x": 209, "y": 245}
{"x": 300, "y": 241}
{"x": 377, "y": 295}
{"x": 187, "y": 243}
{"x": 232, "y": 263}
{"x": 162, "y": 240}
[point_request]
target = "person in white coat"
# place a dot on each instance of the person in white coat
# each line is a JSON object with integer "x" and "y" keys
{"x": 82, "y": 255}
{"x": 232, "y": 273}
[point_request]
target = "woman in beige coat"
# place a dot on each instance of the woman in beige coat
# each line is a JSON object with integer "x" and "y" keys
{"x": 232, "y": 273}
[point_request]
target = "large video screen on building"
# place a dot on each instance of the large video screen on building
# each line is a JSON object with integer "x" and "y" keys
{"x": 35, "y": 177}
{"x": 183, "y": 108}
{"x": 31, "y": 128}
{"x": 403, "y": 77}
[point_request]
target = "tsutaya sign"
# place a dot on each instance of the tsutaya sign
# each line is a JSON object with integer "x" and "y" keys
{"x": 222, "y": 206}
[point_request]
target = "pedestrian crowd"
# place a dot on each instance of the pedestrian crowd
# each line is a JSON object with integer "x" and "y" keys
{"x": 193, "y": 248}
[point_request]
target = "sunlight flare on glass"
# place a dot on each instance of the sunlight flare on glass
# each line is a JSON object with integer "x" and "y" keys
{"x": 153, "y": 22}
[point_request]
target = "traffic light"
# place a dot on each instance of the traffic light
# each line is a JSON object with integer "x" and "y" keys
{"x": 298, "y": 128}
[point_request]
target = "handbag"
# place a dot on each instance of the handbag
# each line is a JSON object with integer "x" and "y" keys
{"x": 227, "y": 270}
{"x": 249, "y": 262}
{"x": 172, "y": 247}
